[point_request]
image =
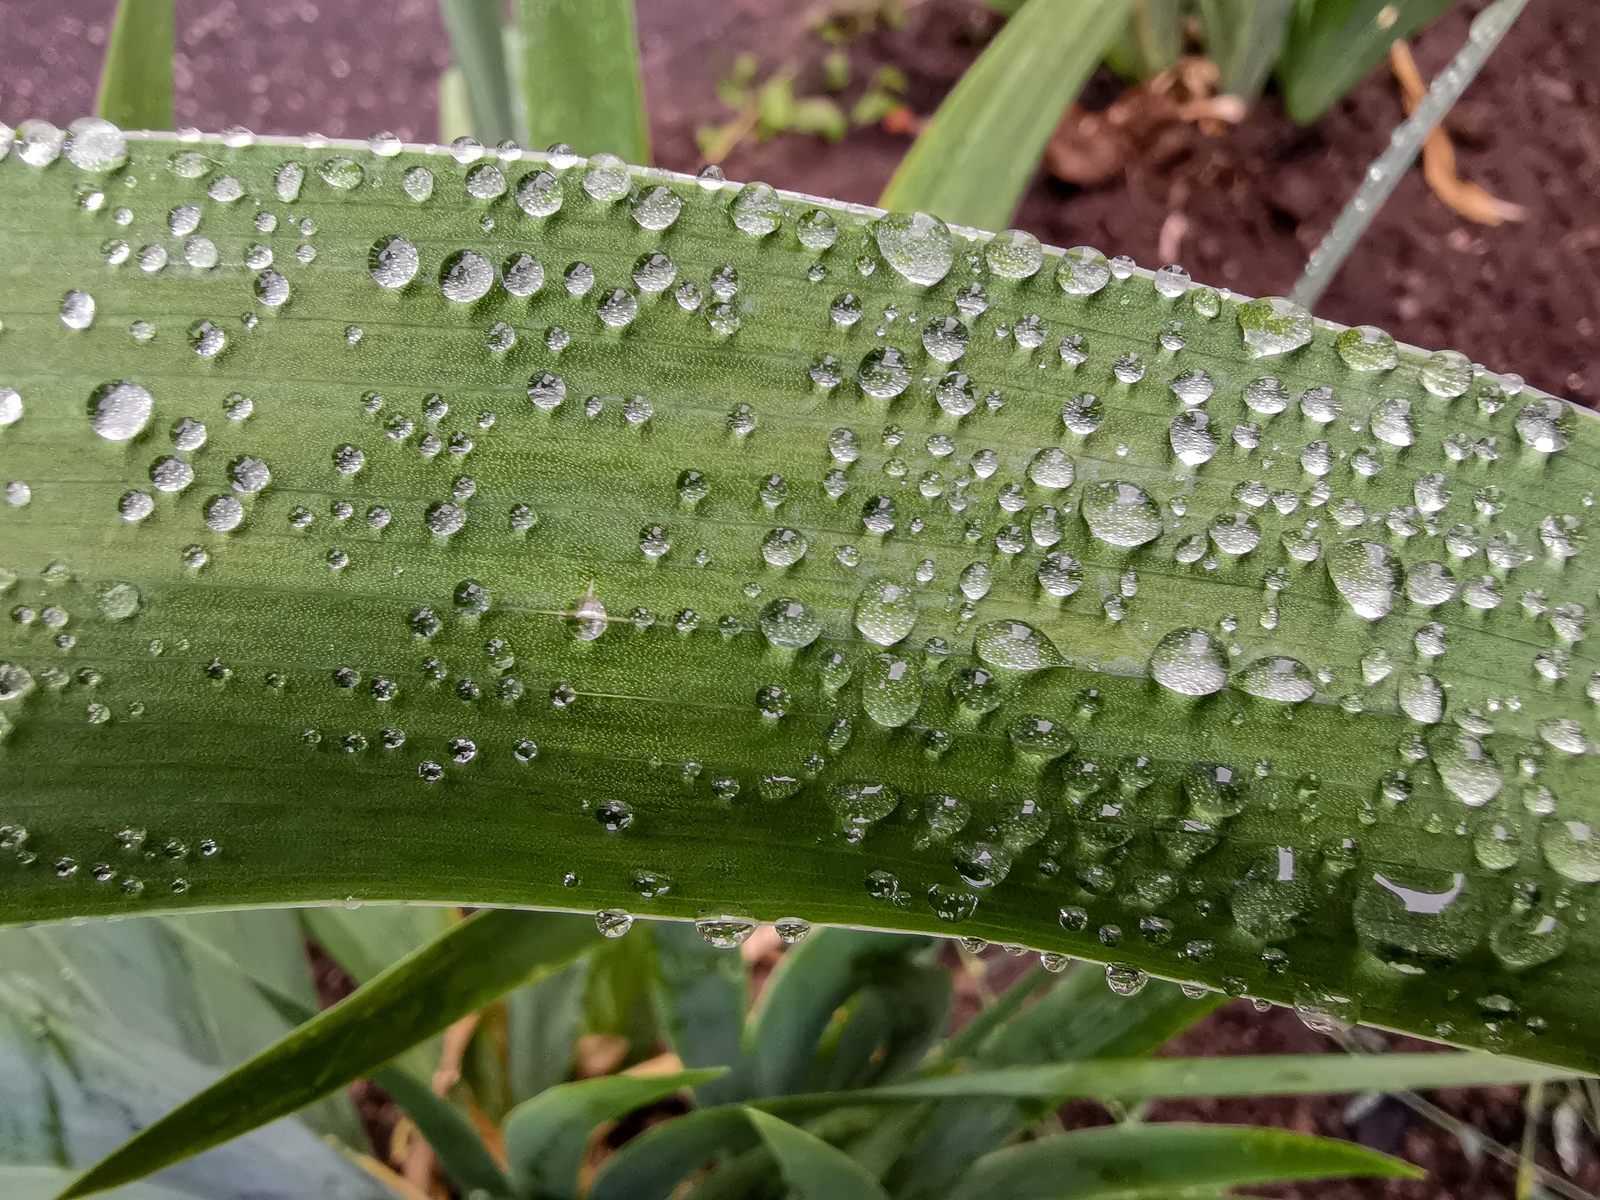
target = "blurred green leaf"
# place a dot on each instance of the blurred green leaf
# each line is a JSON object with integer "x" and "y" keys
{"x": 546, "y": 1137}
{"x": 811, "y": 982}
{"x": 455, "y": 106}
{"x": 975, "y": 158}
{"x": 543, "y": 1022}
{"x": 701, "y": 992}
{"x": 1159, "y": 1160}
{"x": 1334, "y": 43}
{"x": 581, "y": 76}
{"x": 478, "y": 46}
{"x": 901, "y": 1012}
{"x": 42, "y": 1183}
{"x": 367, "y": 941}
{"x": 1078, "y": 1019}
{"x": 1251, "y": 1075}
{"x": 473, "y": 963}
{"x": 650, "y": 1166}
{"x": 1150, "y": 42}
{"x": 462, "y": 1154}
{"x": 1244, "y": 38}
{"x": 618, "y": 999}
{"x": 813, "y": 1169}
{"x": 136, "y": 81}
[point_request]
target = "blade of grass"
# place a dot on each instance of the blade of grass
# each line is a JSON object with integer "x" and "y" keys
{"x": 1332, "y": 44}
{"x": 813, "y": 1169}
{"x": 478, "y": 46}
{"x": 1244, "y": 38}
{"x": 975, "y": 158}
{"x": 581, "y": 76}
{"x": 1488, "y": 27}
{"x": 459, "y": 972}
{"x": 461, "y": 1152}
{"x": 136, "y": 81}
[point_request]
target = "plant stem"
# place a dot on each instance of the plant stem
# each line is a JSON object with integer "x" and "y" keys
{"x": 1384, "y": 175}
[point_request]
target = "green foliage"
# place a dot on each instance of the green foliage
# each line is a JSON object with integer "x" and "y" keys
{"x": 136, "y": 83}
{"x": 477, "y": 42}
{"x": 580, "y": 75}
{"x": 972, "y": 162}
{"x": 1332, "y": 45}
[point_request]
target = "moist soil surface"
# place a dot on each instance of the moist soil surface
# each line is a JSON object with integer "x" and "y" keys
{"x": 1241, "y": 208}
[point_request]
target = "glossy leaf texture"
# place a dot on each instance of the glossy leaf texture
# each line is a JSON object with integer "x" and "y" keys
{"x": 1332, "y": 44}
{"x": 612, "y": 559}
{"x": 975, "y": 158}
{"x": 136, "y": 81}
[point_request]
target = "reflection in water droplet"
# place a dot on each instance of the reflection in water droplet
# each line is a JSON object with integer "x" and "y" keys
{"x": 1016, "y": 645}
{"x": 918, "y": 246}
{"x": 1189, "y": 662}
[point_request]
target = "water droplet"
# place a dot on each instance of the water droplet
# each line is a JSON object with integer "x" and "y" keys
{"x": 1273, "y": 325}
{"x": 788, "y": 624}
{"x": 465, "y": 276}
{"x": 1192, "y": 441}
{"x": 857, "y": 805}
{"x": 38, "y": 143}
{"x": 945, "y": 339}
{"x": 1283, "y": 679}
{"x": 1367, "y": 348}
{"x": 1051, "y": 468}
{"x": 119, "y": 411}
{"x": 1418, "y": 911}
{"x": 1121, "y": 514}
{"x": 1083, "y": 271}
{"x": 224, "y": 513}
{"x": 393, "y": 262}
{"x": 1060, "y": 574}
{"x": 1016, "y": 645}
{"x": 445, "y": 519}
{"x": 884, "y": 373}
{"x": 918, "y": 246}
{"x": 879, "y": 514}
{"x": 756, "y": 210}
{"x": 885, "y": 612}
{"x": 613, "y": 922}
{"x": 1125, "y": 981}
{"x": 891, "y": 690}
{"x": 1189, "y": 662}
{"x": 272, "y": 289}
{"x": 1447, "y": 374}
{"x": 1366, "y": 575}
{"x": 618, "y": 309}
{"x": 817, "y": 230}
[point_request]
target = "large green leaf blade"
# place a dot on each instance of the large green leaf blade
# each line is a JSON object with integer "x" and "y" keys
{"x": 464, "y": 969}
{"x": 136, "y": 81}
{"x": 650, "y": 1166}
{"x": 581, "y": 78}
{"x": 1164, "y": 1159}
{"x": 813, "y": 1169}
{"x": 975, "y": 158}
{"x": 1334, "y": 824}
{"x": 546, "y": 1137}
{"x": 543, "y": 1022}
{"x": 462, "y": 1154}
{"x": 701, "y": 991}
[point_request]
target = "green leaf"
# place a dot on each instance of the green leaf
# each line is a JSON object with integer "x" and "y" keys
{"x": 975, "y": 158}
{"x": 1078, "y": 1019}
{"x": 546, "y": 1137}
{"x": 42, "y": 1183}
{"x": 1334, "y": 43}
{"x": 897, "y": 1018}
{"x": 1150, "y": 42}
{"x": 1244, "y": 38}
{"x": 1119, "y": 1160}
{"x": 543, "y": 1024}
{"x": 811, "y": 982}
{"x": 476, "y": 961}
{"x": 1253, "y": 1075}
{"x": 367, "y": 941}
{"x": 650, "y": 1166}
{"x": 581, "y": 76}
{"x": 455, "y": 106}
{"x": 477, "y": 45}
{"x": 462, "y": 1154}
{"x": 1292, "y": 833}
{"x": 813, "y": 1169}
{"x": 136, "y": 81}
{"x": 701, "y": 992}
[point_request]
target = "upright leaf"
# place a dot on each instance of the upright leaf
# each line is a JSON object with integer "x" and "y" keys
{"x": 650, "y": 1166}
{"x": 478, "y": 47}
{"x": 460, "y": 1149}
{"x": 136, "y": 81}
{"x": 1244, "y": 38}
{"x": 581, "y": 76}
{"x": 544, "y": 1019}
{"x": 1333, "y": 44}
{"x": 701, "y": 991}
{"x": 1158, "y": 1160}
{"x": 975, "y": 158}
{"x": 813, "y": 1169}
{"x": 475, "y": 962}
{"x": 546, "y": 1137}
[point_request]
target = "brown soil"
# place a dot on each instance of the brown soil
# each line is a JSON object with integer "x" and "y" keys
{"x": 1523, "y": 297}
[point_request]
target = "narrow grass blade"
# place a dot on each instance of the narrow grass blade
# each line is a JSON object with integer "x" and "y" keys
{"x": 455, "y": 106}
{"x": 477, "y": 44}
{"x": 461, "y": 1152}
{"x": 461, "y": 971}
{"x": 975, "y": 158}
{"x": 546, "y": 1137}
{"x": 581, "y": 76}
{"x": 1260, "y": 1075}
{"x": 136, "y": 81}
{"x": 813, "y": 1169}
{"x": 701, "y": 992}
{"x": 1162, "y": 1160}
{"x": 650, "y": 1166}
{"x": 367, "y": 941}
{"x": 1150, "y": 42}
{"x": 544, "y": 1020}
{"x": 1332, "y": 44}
{"x": 1488, "y": 27}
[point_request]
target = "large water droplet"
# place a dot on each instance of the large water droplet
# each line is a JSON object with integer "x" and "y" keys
{"x": 788, "y": 624}
{"x": 1014, "y": 254}
{"x": 119, "y": 411}
{"x": 393, "y": 262}
{"x": 1083, "y": 271}
{"x": 1467, "y": 767}
{"x": 857, "y": 805}
{"x": 884, "y": 373}
{"x": 1367, "y": 348}
{"x": 1418, "y": 911}
{"x": 1017, "y": 645}
{"x": 1447, "y": 373}
{"x": 1189, "y": 662}
{"x": 1273, "y": 325}
{"x": 1366, "y": 575}
{"x": 757, "y": 210}
{"x": 891, "y": 690}
{"x": 1285, "y": 679}
{"x": 919, "y": 246}
{"x": 95, "y": 144}
{"x": 885, "y": 612}
{"x": 1121, "y": 514}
